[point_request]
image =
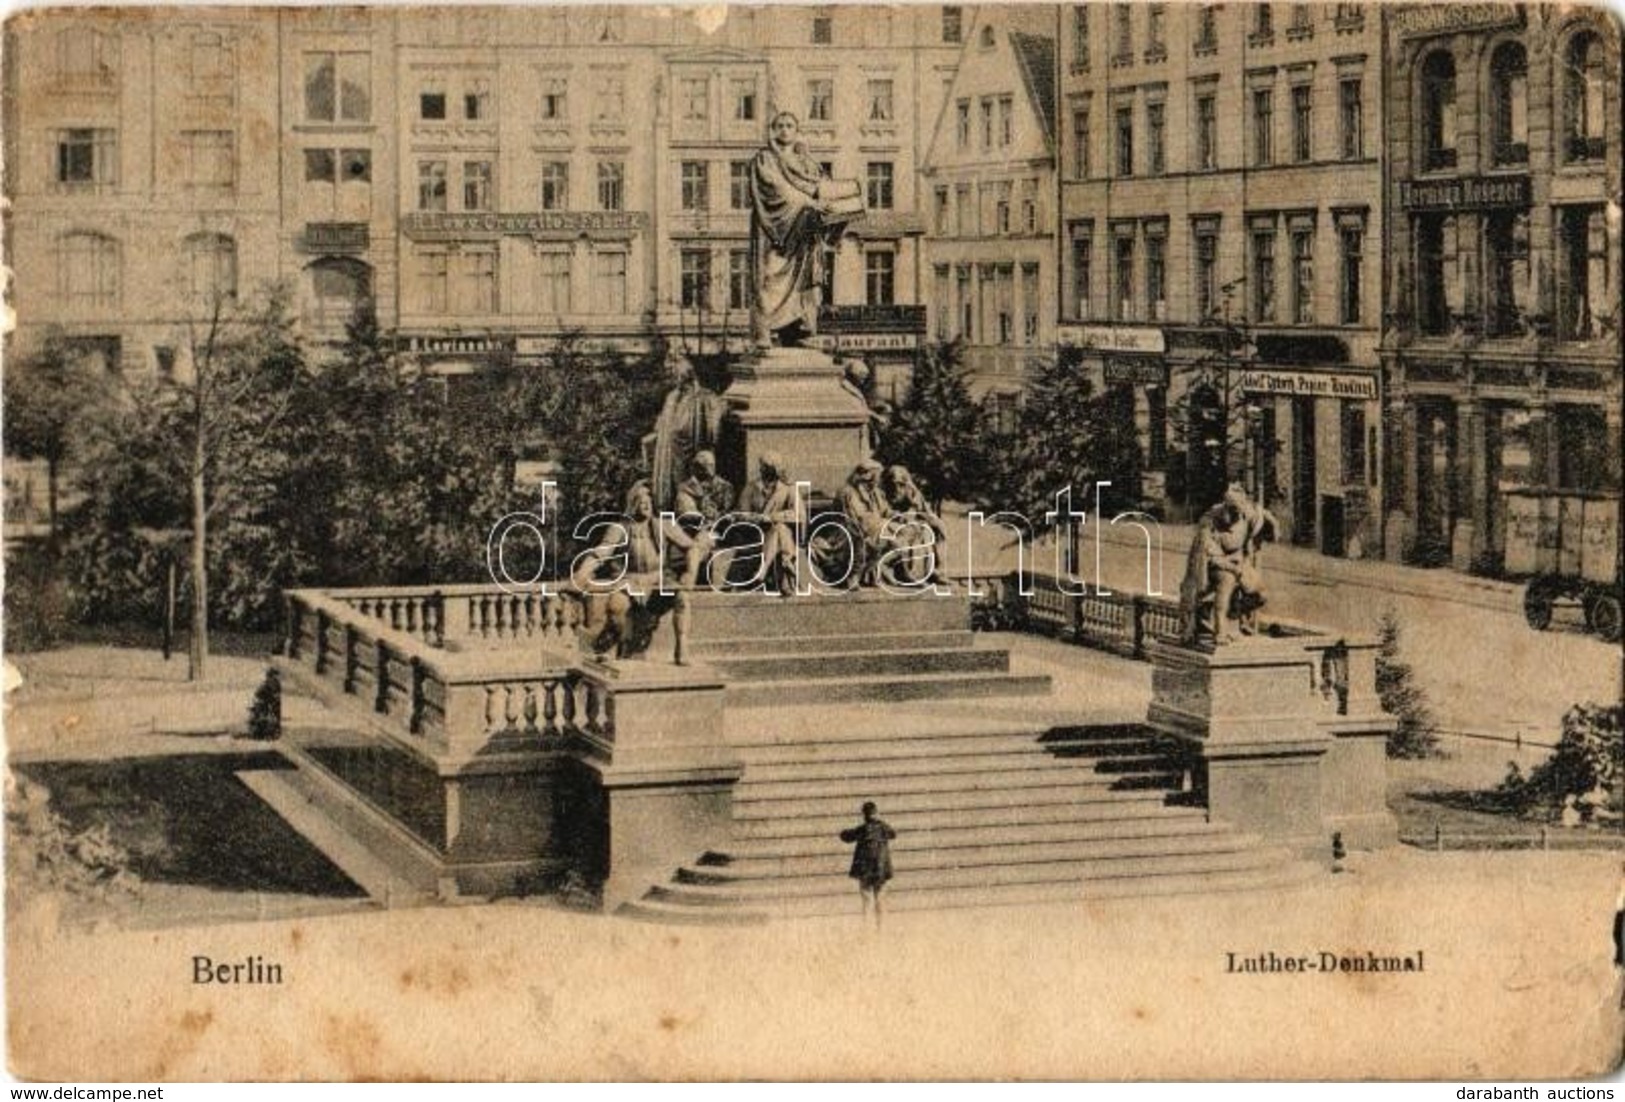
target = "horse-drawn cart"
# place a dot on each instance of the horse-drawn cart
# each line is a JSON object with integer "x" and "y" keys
{"x": 1568, "y": 545}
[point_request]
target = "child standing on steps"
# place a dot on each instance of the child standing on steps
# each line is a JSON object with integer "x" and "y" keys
{"x": 871, "y": 857}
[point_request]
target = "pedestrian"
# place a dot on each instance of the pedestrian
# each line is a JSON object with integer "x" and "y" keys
{"x": 871, "y": 857}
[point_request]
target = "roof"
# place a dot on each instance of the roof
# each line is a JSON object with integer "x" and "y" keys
{"x": 1035, "y": 53}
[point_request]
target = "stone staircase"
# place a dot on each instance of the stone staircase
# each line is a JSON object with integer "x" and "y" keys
{"x": 985, "y": 815}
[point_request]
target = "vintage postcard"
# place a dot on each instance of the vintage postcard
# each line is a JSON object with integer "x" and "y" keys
{"x": 813, "y": 542}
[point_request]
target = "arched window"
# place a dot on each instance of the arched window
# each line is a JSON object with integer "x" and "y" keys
{"x": 88, "y": 271}
{"x": 1584, "y": 93}
{"x": 211, "y": 269}
{"x": 338, "y": 285}
{"x": 1509, "y": 104}
{"x": 1439, "y": 110}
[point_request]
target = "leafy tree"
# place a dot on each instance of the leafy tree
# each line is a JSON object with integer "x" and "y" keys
{"x": 937, "y": 431}
{"x": 1590, "y": 755}
{"x": 47, "y": 396}
{"x": 1416, "y": 735}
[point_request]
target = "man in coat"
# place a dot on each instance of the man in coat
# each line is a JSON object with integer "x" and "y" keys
{"x": 871, "y": 857}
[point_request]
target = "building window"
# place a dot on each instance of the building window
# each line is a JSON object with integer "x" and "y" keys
{"x": 1353, "y": 442}
{"x": 964, "y": 211}
{"x": 1007, "y": 121}
{"x": 880, "y": 101}
{"x": 87, "y": 157}
{"x": 338, "y": 286}
{"x": 1351, "y": 118}
{"x": 431, "y": 281}
{"x": 939, "y": 210}
{"x": 1004, "y": 302}
{"x": 1439, "y": 111}
{"x": 880, "y": 185}
{"x": 743, "y": 94}
{"x": 1082, "y": 265}
{"x": 1506, "y": 272}
{"x": 1207, "y": 132}
{"x": 1207, "y": 29}
{"x": 1123, "y": 283}
{"x": 1122, "y": 34}
{"x": 476, "y": 185}
{"x": 431, "y": 185}
{"x": 553, "y": 280}
{"x": 820, "y": 100}
{"x": 1349, "y": 17}
{"x": 1206, "y": 234}
{"x": 1436, "y": 299}
{"x": 210, "y": 67}
{"x": 1585, "y": 82}
{"x": 1351, "y": 261}
{"x": 1585, "y": 309}
{"x": 962, "y": 124}
{"x": 939, "y": 298}
{"x": 477, "y": 283}
{"x": 739, "y": 185}
{"x": 880, "y": 277}
{"x": 1029, "y": 207}
{"x": 1156, "y": 139}
{"x": 555, "y": 191}
{"x": 555, "y": 104}
{"x": 432, "y": 106}
{"x": 610, "y": 100}
{"x": 1125, "y": 141}
{"x": 987, "y": 37}
{"x": 987, "y": 122}
{"x": 1156, "y": 33}
{"x": 1030, "y": 304}
{"x": 953, "y": 24}
{"x": 1509, "y": 105}
{"x": 823, "y": 26}
{"x": 1263, "y": 274}
{"x": 477, "y": 102}
{"x": 609, "y": 281}
{"x": 1263, "y": 24}
{"x": 1303, "y": 276}
{"x": 694, "y": 94}
{"x": 88, "y": 272}
{"x": 1156, "y": 273}
{"x": 338, "y": 87}
{"x": 695, "y": 288}
{"x": 1263, "y": 126}
{"x": 211, "y": 261}
{"x": 611, "y": 185}
{"x": 87, "y": 58}
{"x": 1080, "y": 143}
{"x": 1001, "y": 208}
{"x": 967, "y": 305}
{"x": 1302, "y": 24}
{"x": 1080, "y": 36}
{"x": 738, "y": 279}
{"x": 695, "y": 192}
{"x": 1303, "y": 123}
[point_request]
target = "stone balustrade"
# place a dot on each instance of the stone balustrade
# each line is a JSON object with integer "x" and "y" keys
{"x": 474, "y": 616}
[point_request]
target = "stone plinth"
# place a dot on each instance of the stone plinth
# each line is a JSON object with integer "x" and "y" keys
{"x": 1354, "y": 775}
{"x": 1252, "y": 715}
{"x": 793, "y": 401}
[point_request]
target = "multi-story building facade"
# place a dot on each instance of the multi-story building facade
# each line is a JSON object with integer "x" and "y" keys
{"x": 1219, "y": 174}
{"x": 1503, "y": 350}
{"x": 990, "y": 174}
{"x": 489, "y": 178}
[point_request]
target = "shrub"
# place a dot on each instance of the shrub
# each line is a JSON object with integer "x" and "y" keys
{"x": 36, "y": 602}
{"x": 1587, "y": 760}
{"x": 1416, "y": 735}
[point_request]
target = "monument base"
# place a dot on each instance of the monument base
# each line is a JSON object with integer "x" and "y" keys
{"x": 794, "y": 402}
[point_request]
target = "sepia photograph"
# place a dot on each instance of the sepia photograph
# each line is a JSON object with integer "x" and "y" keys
{"x": 727, "y": 543}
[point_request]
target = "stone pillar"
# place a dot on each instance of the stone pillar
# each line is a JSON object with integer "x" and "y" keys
{"x": 1399, "y": 532}
{"x": 1354, "y": 772}
{"x": 1467, "y": 498}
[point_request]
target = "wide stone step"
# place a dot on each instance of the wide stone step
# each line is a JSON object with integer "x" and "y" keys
{"x": 892, "y": 805}
{"x": 1016, "y": 773}
{"x": 960, "y": 847}
{"x": 745, "y": 646}
{"x": 1124, "y": 866}
{"x": 861, "y": 663}
{"x": 761, "y": 725}
{"x": 764, "y": 618}
{"x": 1121, "y": 807}
{"x": 881, "y": 689}
{"x": 1019, "y": 760}
{"x": 763, "y": 756}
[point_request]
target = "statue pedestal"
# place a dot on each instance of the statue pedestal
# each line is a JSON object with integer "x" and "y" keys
{"x": 794, "y": 401}
{"x": 1279, "y": 750}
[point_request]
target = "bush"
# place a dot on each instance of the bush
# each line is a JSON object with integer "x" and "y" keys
{"x": 45, "y": 856}
{"x": 36, "y": 601}
{"x": 1416, "y": 735}
{"x": 1587, "y": 765}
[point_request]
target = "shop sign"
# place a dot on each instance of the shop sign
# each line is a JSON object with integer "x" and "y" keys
{"x": 1465, "y": 193}
{"x": 1430, "y": 19}
{"x": 1136, "y": 372}
{"x": 1309, "y": 384}
{"x": 869, "y": 342}
{"x": 1147, "y": 340}
{"x": 434, "y": 225}
{"x": 860, "y": 320}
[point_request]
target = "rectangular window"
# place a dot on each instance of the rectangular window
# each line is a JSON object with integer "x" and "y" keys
{"x": 962, "y": 123}
{"x": 967, "y": 304}
{"x": 555, "y": 107}
{"x": 880, "y": 277}
{"x": 1123, "y": 34}
{"x": 964, "y": 211}
{"x": 609, "y": 281}
{"x": 881, "y": 108}
{"x": 1156, "y": 34}
{"x": 477, "y": 102}
{"x": 1156, "y": 275}
{"x": 1123, "y": 283}
{"x": 1001, "y": 208}
{"x": 338, "y": 87}
{"x": 1263, "y": 274}
{"x": 432, "y": 105}
{"x": 941, "y": 312}
{"x": 939, "y": 212}
{"x": 477, "y": 283}
{"x": 1007, "y": 121}
{"x": 1207, "y": 272}
{"x": 1303, "y": 123}
{"x": 738, "y": 279}
{"x": 476, "y": 185}
{"x": 1506, "y": 272}
{"x": 321, "y": 166}
{"x": 1082, "y": 265}
{"x": 820, "y": 100}
{"x": 823, "y": 26}
{"x": 1080, "y": 143}
{"x": 431, "y": 185}
{"x": 694, "y": 96}
{"x": 1030, "y": 304}
{"x": 1351, "y": 124}
{"x": 1207, "y": 132}
{"x": 1029, "y": 207}
{"x": 88, "y": 271}
{"x": 1263, "y": 126}
{"x": 743, "y": 94}
{"x": 555, "y": 185}
{"x": 611, "y": 185}
{"x": 1156, "y": 139}
{"x": 880, "y": 185}
{"x": 86, "y": 157}
{"x": 1584, "y": 300}
{"x": 1351, "y": 246}
{"x": 211, "y": 159}
{"x": 987, "y": 123}
{"x": 1125, "y": 141}
{"x": 1263, "y": 23}
{"x": 432, "y": 280}
{"x": 1080, "y": 36}
{"x": 553, "y": 281}
{"x": 1436, "y": 292}
{"x": 1303, "y": 277}
{"x": 695, "y": 266}
{"x": 1207, "y": 28}
{"x": 610, "y": 103}
{"x": 739, "y": 185}
{"x": 695, "y": 192}
{"x": 953, "y": 24}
